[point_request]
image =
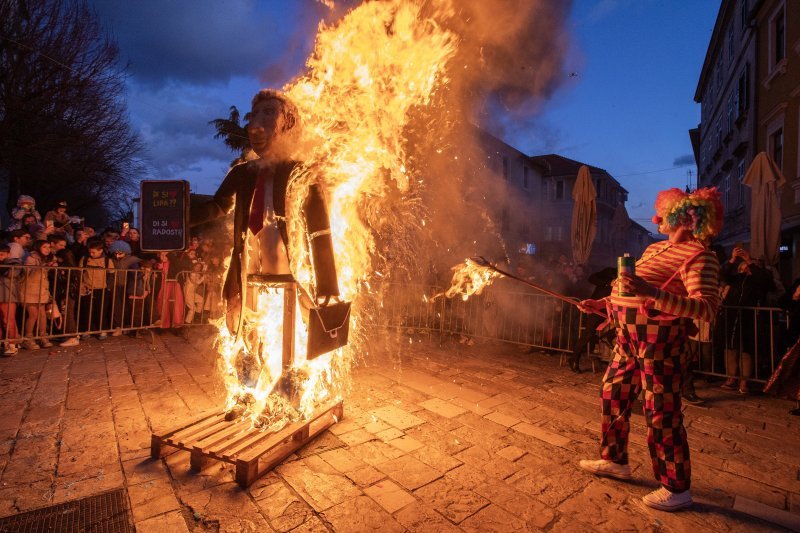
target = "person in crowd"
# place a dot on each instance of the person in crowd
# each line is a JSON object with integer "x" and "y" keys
{"x": 214, "y": 286}
{"x": 676, "y": 281}
{"x": 95, "y": 302}
{"x": 748, "y": 285}
{"x": 124, "y": 265}
{"x": 109, "y": 236}
{"x": 194, "y": 291}
{"x": 132, "y": 237}
{"x": 170, "y": 297}
{"x": 64, "y": 282}
{"x": 602, "y": 287}
{"x": 10, "y": 274}
{"x": 79, "y": 248}
{"x": 140, "y": 294}
{"x": 19, "y": 245}
{"x": 35, "y": 295}
{"x": 90, "y": 232}
{"x": 58, "y": 219}
{"x": 26, "y": 205}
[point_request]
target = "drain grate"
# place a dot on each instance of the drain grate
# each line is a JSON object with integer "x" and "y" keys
{"x": 106, "y": 512}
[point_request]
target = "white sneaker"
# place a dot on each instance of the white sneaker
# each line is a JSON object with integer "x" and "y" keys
{"x": 117, "y": 333}
{"x": 72, "y": 341}
{"x": 11, "y": 349}
{"x": 102, "y": 336}
{"x": 664, "y": 500}
{"x": 604, "y": 467}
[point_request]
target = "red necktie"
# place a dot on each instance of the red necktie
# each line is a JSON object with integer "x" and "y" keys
{"x": 256, "y": 220}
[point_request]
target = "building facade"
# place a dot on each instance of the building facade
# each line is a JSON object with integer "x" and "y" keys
{"x": 725, "y": 140}
{"x": 749, "y": 92}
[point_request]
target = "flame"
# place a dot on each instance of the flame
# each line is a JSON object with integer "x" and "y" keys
{"x": 469, "y": 279}
{"x": 367, "y": 73}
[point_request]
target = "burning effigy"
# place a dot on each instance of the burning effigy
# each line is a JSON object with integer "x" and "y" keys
{"x": 381, "y": 142}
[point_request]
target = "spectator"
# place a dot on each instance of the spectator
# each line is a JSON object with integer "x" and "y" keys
{"x": 194, "y": 291}
{"x": 93, "y": 304}
{"x": 9, "y": 296}
{"x": 132, "y": 238}
{"x": 602, "y": 288}
{"x": 170, "y": 297}
{"x": 20, "y": 242}
{"x": 26, "y": 205}
{"x": 89, "y": 231}
{"x": 124, "y": 262}
{"x": 35, "y": 294}
{"x": 140, "y": 294}
{"x": 79, "y": 249}
{"x": 109, "y": 236}
{"x": 748, "y": 285}
{"x": 58, "y": 219}
{"x": 214, "y": 286}
{"x": 65, "y": 282}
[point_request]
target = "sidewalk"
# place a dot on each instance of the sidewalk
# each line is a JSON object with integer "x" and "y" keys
{"x": 435, "y": 438}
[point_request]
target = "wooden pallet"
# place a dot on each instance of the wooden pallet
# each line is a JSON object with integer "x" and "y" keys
{"x": 252, "y": 451}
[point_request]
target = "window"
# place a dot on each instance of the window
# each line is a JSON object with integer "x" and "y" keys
{"x": 545, "y": 189}
{"x": 726, "y": 191}
{"x": 505, "y": 167}
{"x": 730, "y": 45}
{"x": 525, "y": 179}
{"x": 553, "y": 234}
{"x": 743, "y": 13}
{"x": 743, "y": 92}
{"x": 776, "y": 147}
{"x": 779, "y": 25}
{"x": 740, "y": 176}
{"x": 559, "y": 189}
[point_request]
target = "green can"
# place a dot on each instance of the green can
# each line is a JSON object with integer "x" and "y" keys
{"x": 626, "y": 263}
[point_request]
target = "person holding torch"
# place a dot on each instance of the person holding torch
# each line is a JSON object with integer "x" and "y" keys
{"x": 675, "y": 282}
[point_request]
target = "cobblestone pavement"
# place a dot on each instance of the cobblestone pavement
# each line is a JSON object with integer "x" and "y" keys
{"x": 435, "y": 438}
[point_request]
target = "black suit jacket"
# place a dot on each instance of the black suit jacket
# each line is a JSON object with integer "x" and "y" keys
{"x": 237, "y": 191}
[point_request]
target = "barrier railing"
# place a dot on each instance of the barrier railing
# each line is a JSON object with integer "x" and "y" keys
{"x": 39, "y": 304}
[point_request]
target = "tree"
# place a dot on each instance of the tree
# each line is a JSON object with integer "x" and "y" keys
{"x": 234, "y": 134}
{"x": 64, "y": 130}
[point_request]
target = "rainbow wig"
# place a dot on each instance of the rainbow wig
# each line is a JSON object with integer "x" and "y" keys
{"x": 700, "y": 211}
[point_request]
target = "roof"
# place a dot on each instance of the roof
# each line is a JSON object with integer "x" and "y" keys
{"x": 558, "y": 165}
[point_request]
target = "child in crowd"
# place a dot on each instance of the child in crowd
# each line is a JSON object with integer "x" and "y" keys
{"x": 9, "y": 296}
{"x": 26, "y": 205}
{"x": 124, "y": 263}
{"x": 194, "y": 290}
{"x": 94, "y": 301}
{"x": 140, "y": 294}
{"x": 35, "y": 294}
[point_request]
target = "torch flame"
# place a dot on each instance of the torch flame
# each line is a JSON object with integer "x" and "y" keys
{"x": 469, "y": 279}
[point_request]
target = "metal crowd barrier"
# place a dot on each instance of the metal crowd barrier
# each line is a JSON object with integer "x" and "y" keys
{"x": 41, "y": 304}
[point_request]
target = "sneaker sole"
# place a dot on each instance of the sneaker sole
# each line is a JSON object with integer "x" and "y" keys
{"x": 605, "y": 473}
{"x": 667, "y": 508}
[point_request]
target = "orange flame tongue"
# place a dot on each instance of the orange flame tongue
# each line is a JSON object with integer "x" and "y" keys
{"x": 469, "y": 279}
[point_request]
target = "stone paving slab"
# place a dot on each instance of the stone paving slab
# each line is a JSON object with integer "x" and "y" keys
{"x": 438, "y": 437}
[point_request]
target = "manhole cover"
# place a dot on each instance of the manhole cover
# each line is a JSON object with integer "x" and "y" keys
{"x": 107, "y": 512}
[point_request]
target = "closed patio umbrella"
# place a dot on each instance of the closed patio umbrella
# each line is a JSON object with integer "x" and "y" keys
{"x": 765, "y": 178}
{"x": 584, "y": 216}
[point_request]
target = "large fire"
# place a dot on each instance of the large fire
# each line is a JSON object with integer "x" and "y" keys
{"x": 367, "y": 73}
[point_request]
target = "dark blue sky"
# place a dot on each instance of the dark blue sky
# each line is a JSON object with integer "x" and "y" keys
{"x": 627, "y": 106}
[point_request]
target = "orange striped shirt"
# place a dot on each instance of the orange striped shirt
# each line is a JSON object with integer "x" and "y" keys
{"x": 692, "y": 293}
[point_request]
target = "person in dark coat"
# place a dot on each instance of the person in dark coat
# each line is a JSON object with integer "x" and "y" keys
{"x": 602, "y": 288}
{"x": 748, "y": 285}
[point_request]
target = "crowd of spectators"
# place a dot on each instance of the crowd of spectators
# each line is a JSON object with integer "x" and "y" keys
{"x": 61, "y": 280}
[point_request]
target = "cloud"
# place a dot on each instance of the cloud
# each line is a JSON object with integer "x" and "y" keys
{"x": 209, "y": 40}
{"x": 684, "y": 160}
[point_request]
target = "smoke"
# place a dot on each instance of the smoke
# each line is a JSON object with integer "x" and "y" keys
{"x": 509, "y": 62}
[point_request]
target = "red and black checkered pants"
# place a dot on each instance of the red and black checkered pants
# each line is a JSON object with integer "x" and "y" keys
{"x": 649, "y": 355}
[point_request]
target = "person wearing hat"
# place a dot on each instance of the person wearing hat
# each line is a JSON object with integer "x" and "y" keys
{"x": 676, "y": 282}
{"x": 125, "y": 266}
{"x": 58, "y": 219}
{"x": 26, "y": 205}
